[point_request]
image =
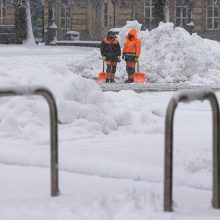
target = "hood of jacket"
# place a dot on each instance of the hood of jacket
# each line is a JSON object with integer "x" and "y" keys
{"x": 133, "y": 32}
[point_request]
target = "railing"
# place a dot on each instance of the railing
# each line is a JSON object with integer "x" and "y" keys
{"x": 189, "y": 96}
{"x": 53, "y": 127}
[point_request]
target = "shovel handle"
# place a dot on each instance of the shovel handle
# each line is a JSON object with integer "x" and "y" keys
{"x": 103, "y": 66}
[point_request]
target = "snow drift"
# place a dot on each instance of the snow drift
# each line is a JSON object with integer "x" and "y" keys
{"x": 80, "y": 101}
{"x": 169, "y": 54}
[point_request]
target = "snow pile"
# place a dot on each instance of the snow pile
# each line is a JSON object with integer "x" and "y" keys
{"x": 168, "y": 55}
{"x": 173, "y": 55}
{"x": 80, "y": 101}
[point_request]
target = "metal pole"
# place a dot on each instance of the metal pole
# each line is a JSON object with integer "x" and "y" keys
{"x": 216, "y": 151}
{"x": 53, "y": 139}
{"x": 53, "y": 127}
{"x": 50, "y": 13}
{"x": 168, "y": 164}
{"x": 189, "y": 96}
{"x": 50, "y": 18}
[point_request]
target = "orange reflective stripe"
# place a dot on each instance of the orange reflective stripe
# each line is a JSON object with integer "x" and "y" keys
{"x": 131, "y": 76}
{"x": 130, "y": 64}
{"x": 126, "y": 46}
{"x": 112, "y": 76}
{"x": 112, "y": 63}
{"x": 107, "y": 41}
{"x": 108, "y": 75}
{"x": 108, "y": 62}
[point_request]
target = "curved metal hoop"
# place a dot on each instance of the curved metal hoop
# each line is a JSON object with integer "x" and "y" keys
{"x": 189, "y": 96}
{"x": 26, "y": 91}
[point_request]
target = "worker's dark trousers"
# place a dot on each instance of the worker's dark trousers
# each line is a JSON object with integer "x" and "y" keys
{"x": 130, "y": 68}
{"x": 111, "y": 69}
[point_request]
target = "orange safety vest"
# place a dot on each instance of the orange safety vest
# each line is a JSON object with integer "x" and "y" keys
{"x": 132, "y": 47}
{"x": 108, "y": 41}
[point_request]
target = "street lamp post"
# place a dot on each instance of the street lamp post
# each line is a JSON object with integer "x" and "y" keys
{"x": 66, "y": 15}
{"x": 52, "y": 28}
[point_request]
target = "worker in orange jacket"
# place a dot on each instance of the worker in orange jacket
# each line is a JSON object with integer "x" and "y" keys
{"x": 131, "y": 53}
{"x": 111, "y": 53}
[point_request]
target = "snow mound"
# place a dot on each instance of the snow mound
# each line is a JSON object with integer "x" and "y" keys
{"x": 80, "y": 101}
{"x": 169, "y": 55}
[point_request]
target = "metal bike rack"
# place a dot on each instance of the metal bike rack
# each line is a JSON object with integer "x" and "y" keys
{"x": 189, "y": 96}
{"x": 53, "y": 127}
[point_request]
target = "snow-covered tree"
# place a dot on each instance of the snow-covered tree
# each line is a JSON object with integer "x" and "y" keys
{"x": 159, "y": 9}
{"x": 23, "y": 25}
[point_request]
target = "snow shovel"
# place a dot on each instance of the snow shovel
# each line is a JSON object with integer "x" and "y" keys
{"x": 102, "y": 76}
{"x": 139, "y": 77}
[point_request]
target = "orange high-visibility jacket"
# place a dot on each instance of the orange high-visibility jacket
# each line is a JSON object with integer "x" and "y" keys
{"x": 132, "y": 47}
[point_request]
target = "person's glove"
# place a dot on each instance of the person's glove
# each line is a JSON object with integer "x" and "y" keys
{"x": 103, "y": 58}
{"x": 136, "y": 59}
{"x": 123, "y": 56}
{"x": 119, "y": 59}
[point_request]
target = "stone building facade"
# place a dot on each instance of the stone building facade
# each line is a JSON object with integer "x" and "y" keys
{"x": 201, "y": 15}
{"x": 7, "y": 32}
{"x": 93, "y": 18}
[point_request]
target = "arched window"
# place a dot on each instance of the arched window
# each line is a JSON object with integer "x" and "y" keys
{"x": 149, "y": 15}
{"x": 212, "y": 14}
{"x": 2, "y": 11}
{"x": 181, "y": 9}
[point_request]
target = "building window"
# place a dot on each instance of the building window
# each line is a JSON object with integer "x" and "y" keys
{"x": 212, "y": 14}
{"x": 106, "y": 14}
{"x": 65, "y": 18}
{"x": 181, "y": 9}
{"x": 2, "y": 11}
{"x": 149, "y": 14}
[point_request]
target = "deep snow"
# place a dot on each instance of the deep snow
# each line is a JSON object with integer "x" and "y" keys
{"x": 110, "y": 144}
{"x": 168, "y": 55}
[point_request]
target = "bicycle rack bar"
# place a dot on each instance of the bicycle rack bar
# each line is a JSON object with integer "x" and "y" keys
{"x": 26, "y": 91}
{"x": 189, "y": 96}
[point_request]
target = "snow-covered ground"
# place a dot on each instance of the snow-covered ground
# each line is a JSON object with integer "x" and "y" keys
{"x": 111, "y": 145}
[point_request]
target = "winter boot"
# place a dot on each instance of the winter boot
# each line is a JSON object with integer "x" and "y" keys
{"x": 112, "y": 81}
{"x": 107, "y": 81}
{"x": 129, "y": 81}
